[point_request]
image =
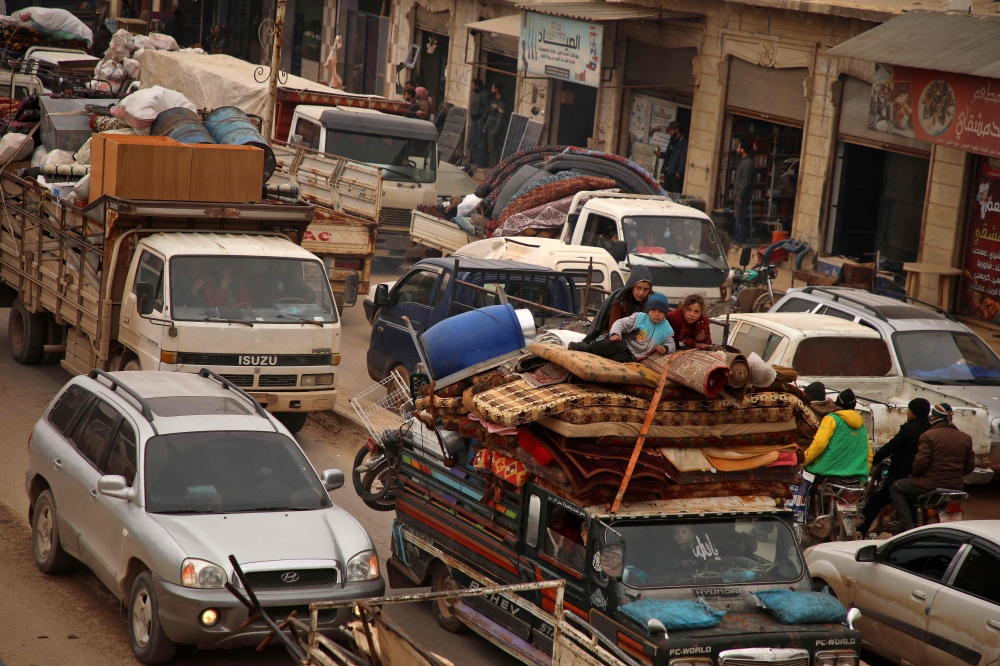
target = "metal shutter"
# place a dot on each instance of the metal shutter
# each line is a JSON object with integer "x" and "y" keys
{"x": 436, "y": 22}
{"x": 494, "y": 42}
{"x": 772, "y": 94}
{"x": 854, "y": 122}
{"x": 658, "y": 67}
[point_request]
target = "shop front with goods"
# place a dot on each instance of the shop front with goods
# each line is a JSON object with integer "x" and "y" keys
{"x": 765, "y": 113}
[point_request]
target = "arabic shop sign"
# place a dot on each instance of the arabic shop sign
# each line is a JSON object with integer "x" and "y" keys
{"x": 980, "y": 293}
{"x": 561, "y": 48}
{"x": 951, "y": 110}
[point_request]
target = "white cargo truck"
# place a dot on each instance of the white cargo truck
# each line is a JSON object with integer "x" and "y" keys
{"x": 172, "y": 285}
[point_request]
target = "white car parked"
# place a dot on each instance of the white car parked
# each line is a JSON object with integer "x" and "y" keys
{"x": 928, "y": 597}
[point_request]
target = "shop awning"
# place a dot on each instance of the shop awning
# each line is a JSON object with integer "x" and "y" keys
{"x": 509, "y": 26}
{"x": 604, "y": 11}
{"x": 958, "y": 43}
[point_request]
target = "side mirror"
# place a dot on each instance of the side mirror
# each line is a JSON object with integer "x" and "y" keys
{"x": 853, "y": 616}
{"x": 613, "y": 561}
{"x": 332, "y": 479}
{"x": 745, "y": 256}
{"x": 351, "y": 289}
{"x": 866, "y": 554}
{"x": 382, "y": 295}
{"x": 620, "y": 251}
{"x": 144, "y": 295}
{"x": 113, "y": 486}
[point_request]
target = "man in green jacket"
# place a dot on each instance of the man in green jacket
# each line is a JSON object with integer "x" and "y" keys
{"x": 841, "y": 446}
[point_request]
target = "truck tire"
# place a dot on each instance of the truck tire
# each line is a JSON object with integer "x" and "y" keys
{"x": 294, "y": 421}
{"x": 133, "y": 366}
{"x": 49, "y": 555}
{"x": 25, "y": 333}
{"x": 443, "y": 609}
{"x": 149, "y": 644}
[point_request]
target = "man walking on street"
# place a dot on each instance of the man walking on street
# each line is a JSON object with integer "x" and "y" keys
{"x": 944, "y": 458}
{"x": 496, "y": 124}
{"x": 478, "y": 110}
{"x": 676, "y": 159}
{"x": 743, "y": 186}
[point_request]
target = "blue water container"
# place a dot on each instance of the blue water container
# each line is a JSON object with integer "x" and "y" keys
{"x": 472, "y": 337}
{"x": 230, "y": 126}
{"x": 181, "y": 125}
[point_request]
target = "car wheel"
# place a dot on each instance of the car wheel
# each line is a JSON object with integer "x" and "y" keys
{"x": 294, "y": 421}
{"x": 25, "y": 333}
{"x": 49, "y": 555}
{"x": 133, "y": 366}
{"x": 404, "y": 375}
{"x": 149, "y": 644}
{"x": 444, "y": 609}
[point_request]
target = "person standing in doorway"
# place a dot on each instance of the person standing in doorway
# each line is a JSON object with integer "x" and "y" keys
{"x": 478, "y": 111}
{"x": 676, "y": 159}
{"x": 496, "y": 124}
{"x": 743, "y": 188}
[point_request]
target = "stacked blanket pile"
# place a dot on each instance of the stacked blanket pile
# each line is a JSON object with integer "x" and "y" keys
{"x": 571, "y": 420}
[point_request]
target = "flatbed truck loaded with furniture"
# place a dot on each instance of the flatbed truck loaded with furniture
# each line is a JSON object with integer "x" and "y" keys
{"x": 127, "y": 284}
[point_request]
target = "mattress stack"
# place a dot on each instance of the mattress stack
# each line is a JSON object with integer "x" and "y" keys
{"x": 571, "y": 420}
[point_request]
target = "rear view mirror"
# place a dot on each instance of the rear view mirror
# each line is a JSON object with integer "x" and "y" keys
{"x": 351, "y": 289}
{"x": 332, "y": 479}
{"x": 745, "y": 256}
{"x": 113, "y": 485}
{"x": 613, "y": 561}
{"x": 382, "y": 295}
{"x": 866, "y": 554}
{"x": 144, "y": 298}
{"x": 619, "y": 251}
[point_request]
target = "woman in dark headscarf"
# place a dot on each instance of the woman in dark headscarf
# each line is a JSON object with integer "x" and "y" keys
{"x": 622, "y": 302}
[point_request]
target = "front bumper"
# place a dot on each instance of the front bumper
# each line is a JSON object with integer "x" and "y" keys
{"x": 296, "y": 401}
{"x": 181, "y": 606}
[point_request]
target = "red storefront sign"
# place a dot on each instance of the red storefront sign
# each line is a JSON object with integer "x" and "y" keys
{"x": 953, "y": 110}
{"x": 980, "y": 293}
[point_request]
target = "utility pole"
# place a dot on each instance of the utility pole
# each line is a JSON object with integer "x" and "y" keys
{"x": 272, "y": 82}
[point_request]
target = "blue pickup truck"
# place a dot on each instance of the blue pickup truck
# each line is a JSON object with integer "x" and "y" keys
{"x": 428, "y": 293}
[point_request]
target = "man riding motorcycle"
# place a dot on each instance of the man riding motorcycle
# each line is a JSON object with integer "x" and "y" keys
{"x": 841, "y": 447}
{"x": 944, "y": 457}
{"x": 903, "y": 449}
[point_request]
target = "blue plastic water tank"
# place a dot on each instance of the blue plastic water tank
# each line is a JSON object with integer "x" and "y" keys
{"x": 470, "y": 338}
{"x": 229, "y": 125}
{"x": 182, "y": 125}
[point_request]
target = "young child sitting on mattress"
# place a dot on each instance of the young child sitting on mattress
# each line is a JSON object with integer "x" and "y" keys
{"x": 637, "y": 336}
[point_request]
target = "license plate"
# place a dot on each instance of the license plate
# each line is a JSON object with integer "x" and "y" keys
{"x": 949, "y": 517}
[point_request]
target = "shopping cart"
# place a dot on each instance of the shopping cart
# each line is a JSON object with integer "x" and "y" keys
{"x": 390, "y": 412}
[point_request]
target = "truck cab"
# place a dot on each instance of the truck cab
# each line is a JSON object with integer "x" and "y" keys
{"x": 44, "y": 69}
{"x": 227, "y": 302}
{"x": 678, "y": 244}
{"x": 405, "y": 149}
{"x": 719, "y": 550}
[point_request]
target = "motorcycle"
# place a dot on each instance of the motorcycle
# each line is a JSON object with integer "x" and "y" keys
{"x": 752, "y": 289}
{"x": 834, "y": 511}
{"x": 942, "y": 505}
{"x": 371, "y": 475}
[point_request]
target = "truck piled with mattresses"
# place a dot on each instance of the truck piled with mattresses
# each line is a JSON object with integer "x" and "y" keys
{"x": 570, "y": 421}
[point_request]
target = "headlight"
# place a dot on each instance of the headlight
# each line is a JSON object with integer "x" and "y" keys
{"x": 199, "y": 573}
{"x": 838, "y": 658}
{"x": 317, "y": 380}
{"x": 363, "y": 566}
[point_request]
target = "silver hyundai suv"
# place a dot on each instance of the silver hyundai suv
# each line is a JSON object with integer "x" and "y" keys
{"x": 153, "y": 479}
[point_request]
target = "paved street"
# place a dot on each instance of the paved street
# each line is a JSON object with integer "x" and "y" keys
{"x": 73, "y": 619}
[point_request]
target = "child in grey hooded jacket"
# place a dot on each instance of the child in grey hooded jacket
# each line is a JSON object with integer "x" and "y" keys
{"x": 635, "y": 337}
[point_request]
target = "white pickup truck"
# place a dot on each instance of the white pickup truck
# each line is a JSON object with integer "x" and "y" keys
{"x": 843, "y": 354}
{"x": 130, "y": 284}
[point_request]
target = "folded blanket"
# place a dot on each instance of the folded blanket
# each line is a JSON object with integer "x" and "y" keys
{"x": 601, "y": 414}
{"x": 593, "y": 368}
{"x": 547, "y": 375}
{"x": 614, "y": 445}
{"x": 517, "y": 402}
{"x": 552, "y": 189}
{"x": 632, "y": 429}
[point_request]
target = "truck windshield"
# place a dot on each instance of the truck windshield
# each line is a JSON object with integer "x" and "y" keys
{"x": 400, "y": 158}
{"x": 710, "y": 552}
{"x": 947, "y": 357}
{"x": 228, "y": 472}
{"x": 252, "y": 289}
{"x": 681, "y": 242}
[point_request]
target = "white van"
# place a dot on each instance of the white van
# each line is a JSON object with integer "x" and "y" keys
{"x": 551, "y": 253}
